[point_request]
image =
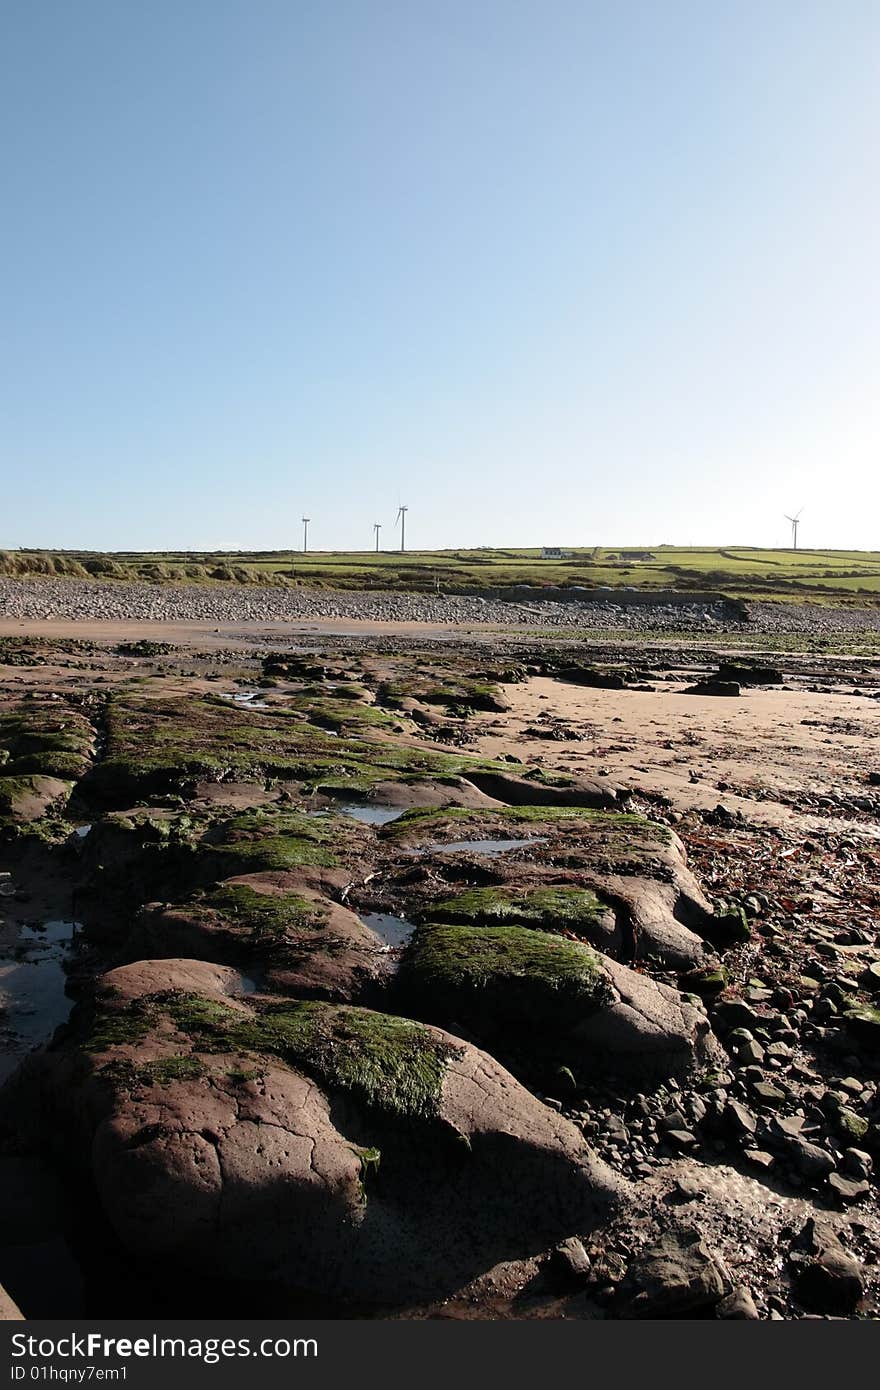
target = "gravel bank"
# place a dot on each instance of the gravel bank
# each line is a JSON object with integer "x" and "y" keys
{"x": 74, "y": 600}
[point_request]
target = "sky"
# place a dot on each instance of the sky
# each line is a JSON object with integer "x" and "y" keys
{"x": 546, "y": 272}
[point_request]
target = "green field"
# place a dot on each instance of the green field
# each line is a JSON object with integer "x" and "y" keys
{"x": 821, "y": 575}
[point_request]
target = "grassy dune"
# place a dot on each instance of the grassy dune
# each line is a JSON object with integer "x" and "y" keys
{"x": 823, "y": 575}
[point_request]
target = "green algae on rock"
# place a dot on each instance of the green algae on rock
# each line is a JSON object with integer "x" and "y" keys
{"x": 504, "y": 975}
{"x": 576, "y": 910}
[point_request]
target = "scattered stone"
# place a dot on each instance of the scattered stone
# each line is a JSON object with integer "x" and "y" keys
{"x": 740, "y": 1120}
{"x": 570, "y": 1261}
{"x": 738, "y": 1304}
{"x": 676, "y": 1277}
{"x": 848, "y": 1190}
{"x": 826, "y": 1277}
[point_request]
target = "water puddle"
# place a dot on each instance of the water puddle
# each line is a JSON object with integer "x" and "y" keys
{"x": 250, "y": 699}
{"x": 33, "y": 1001}
{"x": 372, "y": 815}
{"x": 488, "y": 847}
{"x": 394, "y": 931}
{"x": 368, "y": 815}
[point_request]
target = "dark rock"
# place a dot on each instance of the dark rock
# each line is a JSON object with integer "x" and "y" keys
{"x": 740, "y": 1121}
{"x": 826, "y": 1277}
{"x": 714, "y": 687}
{"x": 738, "y": 1304}
{"x": 676, "y": 1277}
{"x": 848, "y": 1190}
{"x": 809, "y": 1160}
{"x": 749, "y": 675}
{"x": 570, "y": 1261}
{"x": 768, "y": 1096}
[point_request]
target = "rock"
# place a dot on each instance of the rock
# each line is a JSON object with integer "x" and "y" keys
{"x": 579, "y": 1007}
{"x": 681, "y": 1140}
{"x": 714, "y": 687}
{"x": 673, "y": 1278}
{"x": 737, "y": 1304}
{"x": 243, "y": 1138}
{"x": 766, "y": 1095}
{"x": 809, "y": 1160}
{"x": 760, "y": 1159}
{"x": 570, "y": 1261}
{"x": 9, "y": 1309}
{"x": 848, "y": 1190}
{"x": 639, "y": 866}
{"x": 846, "y": 1123}
{"x": 749, "y": 675}
{"x": 864, "y": 1024}
{"x": 733, "y": 1013}
{"x": 857, "y": 1163}
{"x": 826, "y": 1278}
{"x": 297, "y": 939}
{"x": 739, "y": 1120}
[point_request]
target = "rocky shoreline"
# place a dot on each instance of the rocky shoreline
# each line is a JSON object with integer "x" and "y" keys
{"x": 96, "y": 601}
{"x": 403, "y": 988}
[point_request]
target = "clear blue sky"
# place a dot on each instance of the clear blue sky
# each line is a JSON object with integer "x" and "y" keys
{"x": 548, "y": 272}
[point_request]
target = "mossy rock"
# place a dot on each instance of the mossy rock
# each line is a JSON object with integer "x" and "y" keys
{"x": 328, "y": 1149}
{"x": 161, "y": 745}
{"x": 616, "y": 823}
{"x": 863, "y": 1022}
{"x": 46, "y": 739}
{"x": 501, "y": 977}
{"x": 261, "y": 841}
{"x": 449, "y": 690}
{"x": 267, "y": 917}
{"x": 389, "y": 1064}
{"x": 26, "y": 798}
{"x": 575, "y": 910}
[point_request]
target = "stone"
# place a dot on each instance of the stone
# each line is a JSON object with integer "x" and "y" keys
{"x": 809, "y": 1160}
{"x": 681, "y": 1139}
{"x": 582, "y": 1008}
{"x": 847, "y": 1124}
{"x": 848, "y": 1190}
{"x": 737, "y": 1304}
{"x": 244, "y": 1142}
{"x": 826, "y": 1277}
{"x": 760, "y": 1159}
{"x": 857, "y": 1163}
{"x": 673, "y": 1278}
{"x": 739, "y": 1120}
{"x": 766, "y": 1095}
{"x": 9, "y": 1309}
{"x": 570, "y": 1261}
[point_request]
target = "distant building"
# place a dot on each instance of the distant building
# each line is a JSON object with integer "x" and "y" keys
{"x": 554, "y": 552}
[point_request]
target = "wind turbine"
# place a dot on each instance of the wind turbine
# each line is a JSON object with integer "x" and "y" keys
{"x": 305, "y": 522}
{"x": 401, "y": 517}
{"x": 377, "y": 527}
{"x": 794, "y": 525}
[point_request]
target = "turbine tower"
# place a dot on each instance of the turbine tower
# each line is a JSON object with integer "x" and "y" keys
{"x": 794, "y": 525}
{"x": 305, "y": 522}
{"x": 401, "y": 517}
{"x": 377, "y": 527}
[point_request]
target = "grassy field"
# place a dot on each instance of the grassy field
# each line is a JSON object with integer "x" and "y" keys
{"x": 821, "y": 575}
